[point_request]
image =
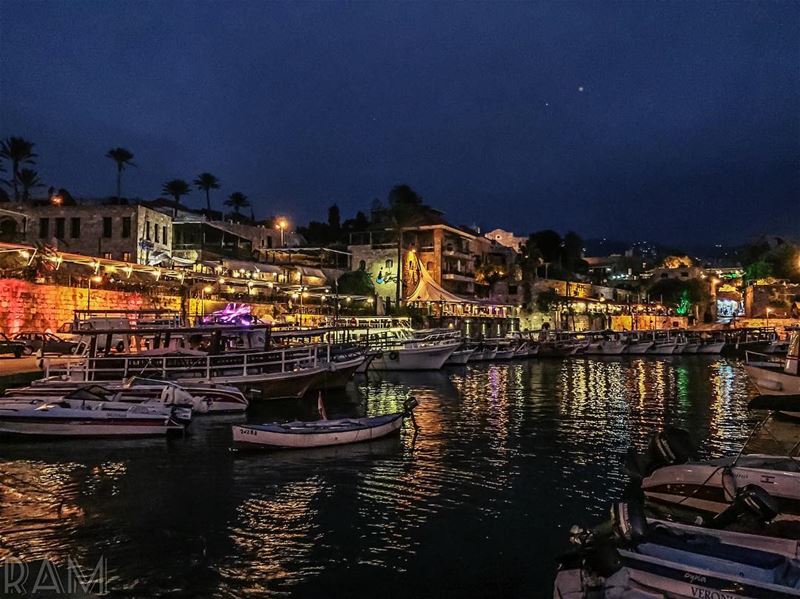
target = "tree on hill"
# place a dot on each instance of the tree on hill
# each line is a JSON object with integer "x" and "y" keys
{"x": 177, "y": 188}
{"x": 206, "y": 182}
{"x": 18, "y": 151}
{"x": 548, "y": 242}
{"x": 237, "y": 200}
{"x": 122, "y": 157}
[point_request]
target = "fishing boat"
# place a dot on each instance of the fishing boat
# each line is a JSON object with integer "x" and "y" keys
{"x": 67, "y": 420}
{"x": 629, "y": 557}
{"x": 605, "y": 343}
{"x": 321, "y": 433}
{"x": 663, "y": 345}
{"x": 395, "y": 345}
{"x": 638, "y": 344}
{"x": 673, "y": 482}
{"x": 461, "y": 356}
{"x": 776, "y": 378}
{"x": 484, "y": 351}
{"x": 505, "y": 349}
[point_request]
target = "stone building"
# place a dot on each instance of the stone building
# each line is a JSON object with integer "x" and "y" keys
{"x": 507, "y": 238}
{"x": 780, "y": 298}
{"x": 126, "y": 232}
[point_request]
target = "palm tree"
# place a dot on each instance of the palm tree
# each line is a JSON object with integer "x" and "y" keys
{"x": 206, "y": 182}
{"x": 176, "y": 188}
{"x": 237, "y": 200}
{"x": 123, "y": 158}
{"x": 18, "y": 151}
{"x": 29, "y": 179}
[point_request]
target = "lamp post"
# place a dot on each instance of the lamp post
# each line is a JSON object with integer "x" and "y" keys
{"x": 714, "y": 281}
{"x": 95, "y": 279}
{"x": 203, "y": 291}
{"x": 282, "y": 227}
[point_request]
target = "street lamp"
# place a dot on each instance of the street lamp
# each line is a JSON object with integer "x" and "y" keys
{"x": 203, "y": 292}
{"x": 92, "y": 279}
{"x": 282, "y": 226}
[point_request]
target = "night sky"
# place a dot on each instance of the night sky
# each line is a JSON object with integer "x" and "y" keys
{"x": 669, "y": 121}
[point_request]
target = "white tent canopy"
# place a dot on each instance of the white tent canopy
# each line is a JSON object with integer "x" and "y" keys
{"x": 428, "y": 290}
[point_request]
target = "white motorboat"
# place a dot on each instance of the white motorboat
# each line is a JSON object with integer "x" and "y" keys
{"x": 774, "y": 378}
{"x": 629, "y": 557}
{"x": 204, "y": 399}
{"x": 505, "y": 350}
{"x": 320, "y": 433}
{"x": 461, "y": 356}
{"x": 394, "y": 345}
{"x": 484, "y": 352}
{"x": 663, "y": 346}
{"x": 769, "y": 459}
{"x": 606, "y": 344}
{"x": 692, "y": 346}
{"x": 711, "y": 346}
{"x": 63, "y": 419}
{"x": 638, "y": 345}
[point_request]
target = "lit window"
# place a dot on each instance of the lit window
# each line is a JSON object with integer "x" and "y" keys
{"x": 126, "y": 256}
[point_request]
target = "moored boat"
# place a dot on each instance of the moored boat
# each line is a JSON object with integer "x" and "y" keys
{"x": 65, "y": 420}
{"x": 204, "y": 399}
{"x": 629, "y": 557}
{"x": 776, "y": 378}
{"x": 320, "y": 433}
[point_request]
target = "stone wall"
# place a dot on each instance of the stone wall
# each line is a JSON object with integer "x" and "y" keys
{"x": 32, "y": 307}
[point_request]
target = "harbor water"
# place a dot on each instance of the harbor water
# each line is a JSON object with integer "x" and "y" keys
{"x": 477, "y": 503}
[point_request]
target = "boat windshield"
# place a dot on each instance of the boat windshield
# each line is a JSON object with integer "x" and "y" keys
{"x": 775, "y": 436}
{"x": 92, "y": 392}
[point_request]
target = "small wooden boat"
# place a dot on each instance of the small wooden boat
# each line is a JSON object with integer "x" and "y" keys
{"x": 321, "y": 433}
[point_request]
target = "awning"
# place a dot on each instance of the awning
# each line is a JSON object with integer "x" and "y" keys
{"x": 428, "y": 290}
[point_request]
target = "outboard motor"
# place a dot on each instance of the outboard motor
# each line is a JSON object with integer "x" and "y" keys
{"x": 598, "y": 546}
{"x": 750, "y": 503}
{"x": 668, "y": 447}
{"x": 182, "y": 415}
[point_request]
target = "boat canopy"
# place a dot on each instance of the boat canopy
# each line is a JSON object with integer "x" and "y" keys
{"x": 428, "y": 290}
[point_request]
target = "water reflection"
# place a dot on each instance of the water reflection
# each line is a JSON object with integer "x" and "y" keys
{"x": 478, "y": 503}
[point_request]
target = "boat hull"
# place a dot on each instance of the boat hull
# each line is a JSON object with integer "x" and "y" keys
{"x": 413, "y": 358}
{"x": 639, "y": 348}
{"x": 84, "y": 429}
{"x": 773, "y": 381}
{"x": 460, "y": 357}
{"x": 711, "y": 348}
{"x": 285, "y": 385}
{"x": 700, "y": 487}
{"x": 338, "y": 374}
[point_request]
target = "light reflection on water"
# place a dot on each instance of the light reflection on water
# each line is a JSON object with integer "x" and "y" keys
{"x": 477, "y": 503}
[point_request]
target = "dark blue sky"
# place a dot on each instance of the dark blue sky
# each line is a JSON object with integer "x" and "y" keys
{"x": 687, "y": 128}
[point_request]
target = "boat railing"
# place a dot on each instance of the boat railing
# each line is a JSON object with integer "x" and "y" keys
{"x": 184, "y": 365}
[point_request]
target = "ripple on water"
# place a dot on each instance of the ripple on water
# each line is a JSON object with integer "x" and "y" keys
{"x": 508, "y": 456}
